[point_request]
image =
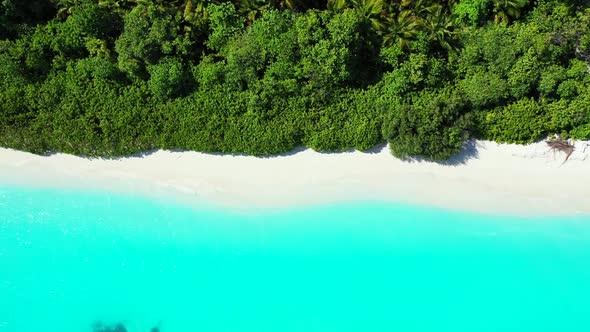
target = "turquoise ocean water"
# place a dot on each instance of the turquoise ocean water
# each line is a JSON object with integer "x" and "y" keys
{"x": 68, "y": 259}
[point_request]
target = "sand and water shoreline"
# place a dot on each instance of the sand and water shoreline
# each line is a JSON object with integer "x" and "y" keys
{"x": 486, "y": 177}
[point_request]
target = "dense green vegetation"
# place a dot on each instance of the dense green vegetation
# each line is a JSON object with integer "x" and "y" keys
{"x": 113, "y": 77}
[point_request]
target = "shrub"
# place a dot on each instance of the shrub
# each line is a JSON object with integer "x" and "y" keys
{"x": 433, "y": 125}
{"x": 485, "y": 89}
{"x": 166, "y": 78}
{"x": 520, "y": 122}
{"x": 472, "y": 12}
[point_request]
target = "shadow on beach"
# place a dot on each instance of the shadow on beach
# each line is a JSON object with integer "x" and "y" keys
{"x": 468, "y": 151}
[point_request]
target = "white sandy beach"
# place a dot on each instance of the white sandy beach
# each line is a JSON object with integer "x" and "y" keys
{"x": 487, "y": 177}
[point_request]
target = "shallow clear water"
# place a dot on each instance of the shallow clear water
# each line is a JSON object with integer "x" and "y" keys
{"x": 68, "y": 259}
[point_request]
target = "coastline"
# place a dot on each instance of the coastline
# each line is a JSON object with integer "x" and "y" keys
{"x": 486, "y": 177}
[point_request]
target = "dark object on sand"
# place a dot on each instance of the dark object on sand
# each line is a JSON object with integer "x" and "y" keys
{"x": 559, "y": 144}
{"x": 155, "y": 329}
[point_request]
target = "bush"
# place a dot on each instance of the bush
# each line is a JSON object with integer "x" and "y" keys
{"x": 520, "y": 122}
{"x": 472, "y": 12}
{"x": 352, "y": 121}
{"x": 149, "y": 33}
{"x": 485, "y": 89}
{"x": 580, "y": 114}
{"x": 125, "y": 76}
{"x": 433, "y": 125}
{"x": 166, "y": 78}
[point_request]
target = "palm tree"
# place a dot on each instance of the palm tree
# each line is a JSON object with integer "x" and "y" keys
{"x": 64, "y": 8}
{"x": 337, "y": 5}
{"x": 401, "y": 29}
{"x": 441, "y": 28}
{"x": 446, "y": 4}
{"x": 504, "y": 10}
{"x": 370, "y": 10}
{"x": 419, "y": 7}
{"x": 252, "y": 9}
{"x": 284, "y": 4}
{"x": 195, "y": 14}
{"x": 117, "y": 3}
{"x": 124, "y": 5}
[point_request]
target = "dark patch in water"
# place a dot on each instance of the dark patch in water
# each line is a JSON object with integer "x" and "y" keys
{"x": 100, "y": 327}
{"x": 119, "y": 327}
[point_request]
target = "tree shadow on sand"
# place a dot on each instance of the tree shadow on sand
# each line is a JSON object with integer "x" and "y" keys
{"x": 469, "y": 151}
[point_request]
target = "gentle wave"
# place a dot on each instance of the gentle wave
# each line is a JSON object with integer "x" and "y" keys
{"x": 69, "y": 259}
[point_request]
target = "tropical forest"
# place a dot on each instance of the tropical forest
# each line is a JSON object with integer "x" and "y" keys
{"x": 106, "y": 78}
